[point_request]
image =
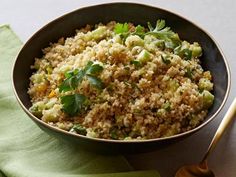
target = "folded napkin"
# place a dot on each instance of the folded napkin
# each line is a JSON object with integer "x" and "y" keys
{"x": 26, "y": 151}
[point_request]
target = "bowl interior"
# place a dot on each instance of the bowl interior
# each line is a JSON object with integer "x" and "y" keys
{"x": 65, "y": 26}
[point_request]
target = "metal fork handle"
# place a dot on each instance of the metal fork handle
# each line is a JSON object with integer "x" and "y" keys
{"x": 228, "y": 118}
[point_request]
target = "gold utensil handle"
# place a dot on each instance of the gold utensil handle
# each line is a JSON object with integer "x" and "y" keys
{"x": 229, "y": 116}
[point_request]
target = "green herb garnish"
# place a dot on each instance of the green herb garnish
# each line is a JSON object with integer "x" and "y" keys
{"x": 186, "y": 53}
{"x": 73, "y": 104}
{"x": 136, "y": 63}
{"x": 189, "y": 73}
{"x": 134, "y": 86}
{"x": 93, "y": 69}
{"x": 113, "y": 134}
{"x": 167, "y": 106}
{"x": 139, "y": 30}
{"x": 75, "y": 77}
{"x": 161, "y": 32}
{"x": 122, "y": 30}
{"x": 96, "y": 82}
{"x": 165, "y": 59}
{"x": 79, "y": 129}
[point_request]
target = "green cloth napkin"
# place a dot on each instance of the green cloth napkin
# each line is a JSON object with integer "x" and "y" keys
{"x": 26, "y": 151}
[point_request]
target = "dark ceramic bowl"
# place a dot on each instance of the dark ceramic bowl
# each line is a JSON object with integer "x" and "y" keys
{"x": 65, "y": 26}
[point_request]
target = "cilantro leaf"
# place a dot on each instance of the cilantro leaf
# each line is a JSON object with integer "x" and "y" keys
{"x": 96, "y": 82}
{"x": 75, "y": 77}
{"x": 121, "y": 28}
{"x": 167, "y": 106}
{"x": 165, "y": 60}
{"x": 113, "y": 134}
{"x": 150, "y": 26}
{"x": 186, "y": 54}
{"x": 71, "y": 73}
{"x": 73, "y": 104}
{"x": 139, "y": 30}
{"x": 79, "y": 129}
{"x": 136, "y": 63}
{"x": 94, "y": 69}
{"x": 89, "y": 64}
{"x": 189, "y": 73}
{"x": 161, "y": 32}
{"x": 72, "y": 80}
{"x": 160, "y": 24}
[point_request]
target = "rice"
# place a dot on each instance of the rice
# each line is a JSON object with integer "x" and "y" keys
{"x": 105, "y": 84}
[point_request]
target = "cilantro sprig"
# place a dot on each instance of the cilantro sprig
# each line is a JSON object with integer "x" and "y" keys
{"x": 171, "y": 39}
{"x": 165, "y": 59}
{"x": 121, "y": 28}
{"x": 73, "y": 104}
{"x": 160, "y": 31}
{"x": 124, "y": 32}
{"x": 75, "y": 77}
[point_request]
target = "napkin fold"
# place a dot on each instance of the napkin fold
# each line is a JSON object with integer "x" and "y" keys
{"x": 26, "y": 151}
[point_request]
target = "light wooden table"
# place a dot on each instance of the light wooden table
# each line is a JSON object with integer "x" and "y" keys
{"x": 216, "y": 16}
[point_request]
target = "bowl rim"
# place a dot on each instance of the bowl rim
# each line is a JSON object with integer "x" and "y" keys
{"x": 189, "y": 132}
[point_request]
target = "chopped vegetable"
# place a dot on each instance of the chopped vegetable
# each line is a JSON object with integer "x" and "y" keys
{"x": 51, "y": 103}
{"x": 52, "y": 114}
{"x": 173, "y": 85}
{"x": 99, "y": 33}
{"x": 205, "y": 84}
{"x": 52, "y": 94}
{"x": 37, "y": 108}
{"x": 144, "y": 56}
{"x": 208, "y": 99}
{"x": 133, "y": 41}
{"x": 151, "y": 43}
{"x": 196, "y": 49}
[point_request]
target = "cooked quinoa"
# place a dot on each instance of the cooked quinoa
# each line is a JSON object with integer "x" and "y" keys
{"x": 121, "y": 81}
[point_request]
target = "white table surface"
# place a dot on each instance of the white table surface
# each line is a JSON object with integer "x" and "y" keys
{"x": 218, "y": 17}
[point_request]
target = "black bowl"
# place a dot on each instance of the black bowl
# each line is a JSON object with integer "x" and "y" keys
{"x": 65, "y": 26}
